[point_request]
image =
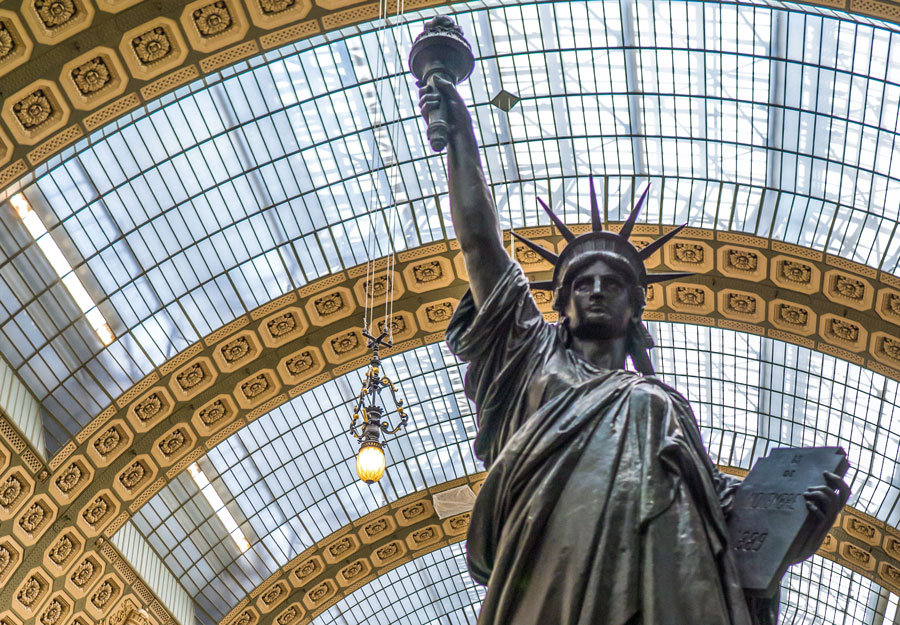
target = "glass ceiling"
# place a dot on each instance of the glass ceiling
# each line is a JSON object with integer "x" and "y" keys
{"x": 289, "y": 477}
{"x": 771, "y": 119}
{"x": 777, "y": 120}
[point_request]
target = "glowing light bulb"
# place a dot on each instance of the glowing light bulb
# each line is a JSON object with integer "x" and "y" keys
{"x": 370, "y": 462}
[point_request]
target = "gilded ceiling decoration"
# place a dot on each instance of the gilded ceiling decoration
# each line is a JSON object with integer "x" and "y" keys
{"x": 259, "y": 361}
{"x": 134, "y": 53}
{"x": 79, "y": 578}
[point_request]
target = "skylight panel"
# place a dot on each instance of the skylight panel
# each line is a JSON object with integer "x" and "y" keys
{"x": 214, "y": 500}
{"x": 61, "y": 266}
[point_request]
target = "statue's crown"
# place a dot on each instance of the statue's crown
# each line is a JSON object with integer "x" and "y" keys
{"x": 600, "y": 240}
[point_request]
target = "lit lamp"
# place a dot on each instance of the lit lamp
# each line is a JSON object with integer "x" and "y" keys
{"x": 370, "y": 458}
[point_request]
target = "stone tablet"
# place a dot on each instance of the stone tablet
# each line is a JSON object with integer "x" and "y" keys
{"x": 769, "y": 521}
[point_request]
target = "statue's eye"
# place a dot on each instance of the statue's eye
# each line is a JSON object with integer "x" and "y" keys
{"x": 582, "y": 286}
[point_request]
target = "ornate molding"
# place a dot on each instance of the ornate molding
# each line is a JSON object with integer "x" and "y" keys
{"x": 300, "y": 340}
{"x": 164, "y": 47}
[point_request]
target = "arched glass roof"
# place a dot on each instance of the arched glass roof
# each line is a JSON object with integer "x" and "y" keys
{"x": 770, "y": 119}
{"x": 289, "y": 477}
{"x": 767, "y": 118}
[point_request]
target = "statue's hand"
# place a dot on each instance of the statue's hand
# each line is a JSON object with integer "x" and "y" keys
{"x": 431, "y": 95}
{"x": 824, "y": 502}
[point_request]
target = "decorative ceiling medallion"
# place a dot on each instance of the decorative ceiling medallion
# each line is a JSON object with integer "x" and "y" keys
{"x": 135, "y": 477}
{"x": 843, "y": 333}
{"x": 51, "y": 21}
{"x": 94, "y": 78}
{"x": 103, "y": 597}
{"x": 437, "y": 271}
{"x": 741, "y": 262}
{"x": 34, "y": 519}
{"x": 10, "y": 559}
{"x": 214, "y": 415}
{"x": 354, "y": 572}
{"x": 283, "y": 326}
{"x": 887, "y": 305}
{"x": 341, "y": 548}
{"x": 344, "y": 346}
{"x": 150, "y": 409}
{"x": 274, "y": 13}
{"x": 70, "y": 479}
{"x": 62, "y": 552}
{"x": 214, "y": 24}
{"x": 29, "y": 597}
{"x": 15, "y": 45}
{"x": 694, "y": 299}
{"x": 248, "y": 617}
{"x": 153, "y": 48}
{"x": 318, "y": 595}
{"x": 377, "y": 529}
{"x": 15, "y": 488}
{"x": 307, "y": 571}
{"x": 291, "y": 615}
{"x": 377, "y": 287}
{"x": 401, "y": 325}
{"x": 795, "y": 274}
{"x": 84, "y": 575}
{"x": 741, "y": 306}
{"x": 237, "y": 351}
{"x": 112, "y": 440}
{"x": 301, "y": 365}
{"x": 886, "y": 349}
{"x": 329, "y": 306}
{"x": 525, "y": 256}
{"x": 257, "y": 388}
{"x": 35, "y": 112}
{"x": 58, "y": 608}
{"x": 414, "y": 512}
{"x": 273, "y": 596}
{"x": 193, "y": 378}
{"x": 98, "y": 513}
{"x": 655, "y": 297}
{"x": 172, "y": 445}
{"x": 792, "y": 317}
{"x": 689, "y": 255}
{"x": 640, "y": 243}
{"x": 848, "y": 290}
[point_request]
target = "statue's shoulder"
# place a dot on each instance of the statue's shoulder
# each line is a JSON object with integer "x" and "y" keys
{"x": 650, "y": 385}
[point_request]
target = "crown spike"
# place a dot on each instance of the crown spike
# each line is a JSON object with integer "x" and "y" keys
{"x": 596, "y": 222}
{"x": 653, "y": 278}
{"x": 632, "y": 218}
{"x": 647, "y": 252}
{"x": 567, "y": 234}
{"x": 543, "y": 252}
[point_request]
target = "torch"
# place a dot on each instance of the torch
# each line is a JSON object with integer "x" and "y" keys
{"x": 440, "y": 50}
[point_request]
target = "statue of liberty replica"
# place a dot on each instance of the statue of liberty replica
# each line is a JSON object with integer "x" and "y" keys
{"x": 601, "y": 506}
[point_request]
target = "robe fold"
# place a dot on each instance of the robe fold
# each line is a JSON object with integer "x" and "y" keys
{"x": 601, "y": 506}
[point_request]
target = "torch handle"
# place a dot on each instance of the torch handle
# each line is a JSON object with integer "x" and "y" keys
{"x": 438, "y": 126}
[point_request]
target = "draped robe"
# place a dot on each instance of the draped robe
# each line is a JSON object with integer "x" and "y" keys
{"x": 601, "y": 506}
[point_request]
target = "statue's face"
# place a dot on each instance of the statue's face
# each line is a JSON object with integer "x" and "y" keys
{"x": 599, "y": 304}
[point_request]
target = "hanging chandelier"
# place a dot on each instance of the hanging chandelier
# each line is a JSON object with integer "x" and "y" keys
{"x": 369, "y": 419}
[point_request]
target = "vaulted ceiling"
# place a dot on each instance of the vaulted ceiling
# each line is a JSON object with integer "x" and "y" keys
{"x": 215, "y": 176}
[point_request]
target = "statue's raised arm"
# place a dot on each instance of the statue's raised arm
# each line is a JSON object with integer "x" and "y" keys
{"x": 471, "y": 206}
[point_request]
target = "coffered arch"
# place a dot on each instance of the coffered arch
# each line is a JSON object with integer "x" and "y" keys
{"x": 129, "y": 53}
{"x": 781, "y": 285}
{"x": 262, "y": 360}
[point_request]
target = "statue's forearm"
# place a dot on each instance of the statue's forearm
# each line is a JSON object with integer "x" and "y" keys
{"x": 474, "y": 216}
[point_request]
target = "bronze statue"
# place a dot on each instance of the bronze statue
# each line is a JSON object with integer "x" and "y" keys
{"x": 601, "y": 506}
